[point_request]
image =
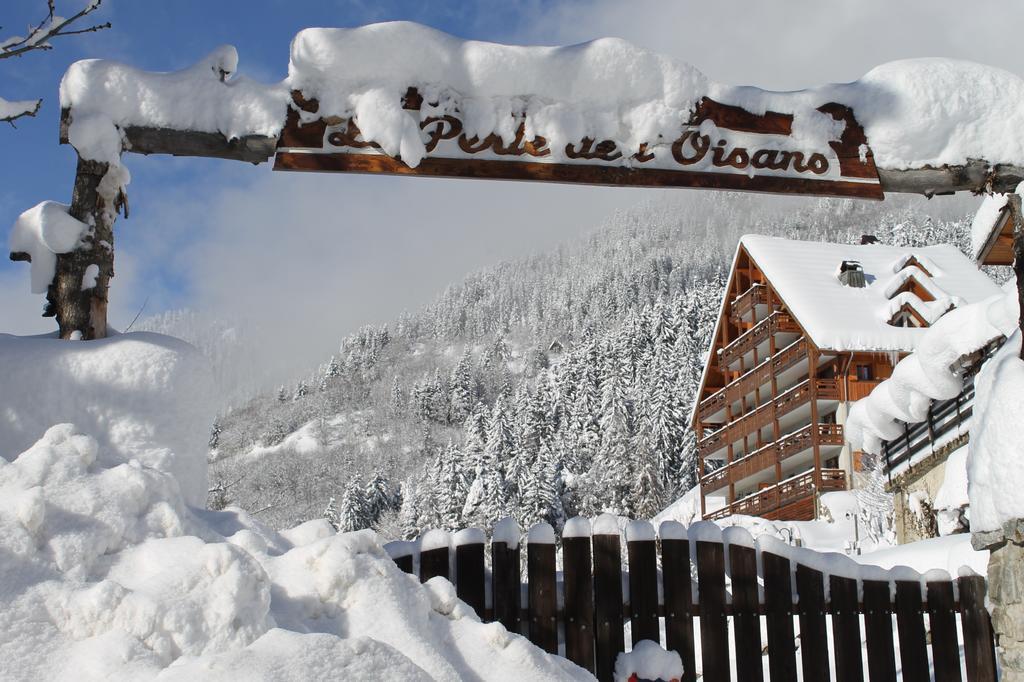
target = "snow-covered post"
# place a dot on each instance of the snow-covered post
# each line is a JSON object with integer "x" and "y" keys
{"x": 78, "y": 295}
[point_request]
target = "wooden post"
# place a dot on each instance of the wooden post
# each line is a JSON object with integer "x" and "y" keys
{"x": 643, "y": 582}
{"x": 978, "y": 643}
{"x": 1018, "y": 256}
{"x": 714, "y": 626}
{"x": 810, "y": 587}
{"x": 878, "y": 631}
{"x": 579, "y": 599}
{"x": 469, "y": 569}
{"x": 78, "y": 310}
{"x": 746, "y": 613}
{"x": 912, "y": 634}
{"x": 608, "y": 602}
{"x": 505, "y": 582}
{"x": 675, "y": 576}
{"x": 778, "y": 607}
{"x": 543, "y": 600}
{"x": 942, "y": 618}
{"x": 846, "y": 629}
{"x": 434, "y": 556}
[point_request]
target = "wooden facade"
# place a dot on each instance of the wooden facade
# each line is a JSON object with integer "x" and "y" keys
{"x": 770, "y": 409}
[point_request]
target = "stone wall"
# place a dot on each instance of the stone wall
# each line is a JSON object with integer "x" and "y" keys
{"x": 1006, "y": 595}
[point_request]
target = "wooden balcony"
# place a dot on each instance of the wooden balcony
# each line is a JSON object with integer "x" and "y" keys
{"x": 759, "y": 376}
{"x": 745, "y": 303}
{"x": 753, "y": 337}
{"x": 827, "y": 389}
{"x": 765, "y": 502}
{"x": 765, "y": 457}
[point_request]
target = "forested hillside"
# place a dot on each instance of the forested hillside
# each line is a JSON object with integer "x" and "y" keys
{"x": 555, "y": 385}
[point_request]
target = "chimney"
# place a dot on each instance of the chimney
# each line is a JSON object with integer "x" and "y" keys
{"x": 851, "y": 274}
{"x": 868, "y": 239}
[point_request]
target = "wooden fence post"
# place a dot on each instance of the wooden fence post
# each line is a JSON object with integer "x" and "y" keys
{"x": 543, "y": 602}
{"x": 678, "y": 588}
{"x": 610, "y": 637}
{"x": 778, "y": 608}
{"x": 942, "y": 618}
{"x": 579, "y": 593}
{"x": 746, "y": 618}
{"x": 469, "y": 569}
{"x": 401, "y": 553}
{"x": 810, "y": 588}
{"x": 714, "y": 627}
{"x": 845, "y": 612}
{"x": 434, "y": 555}
{"x": 978, "y": 640}
{"x": 643, "y": 582}
{"x": 505, "y": 574}
{"x": 878, "y": 631}
{"x": 910, "y": 626}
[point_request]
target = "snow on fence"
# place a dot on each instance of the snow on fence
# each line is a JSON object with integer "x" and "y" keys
{"x": 917, "y": 624}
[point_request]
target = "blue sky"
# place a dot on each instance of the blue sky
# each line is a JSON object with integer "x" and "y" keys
{"x": 321, "y": 255}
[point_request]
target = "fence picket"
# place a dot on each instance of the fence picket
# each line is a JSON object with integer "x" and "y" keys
{"x": 778, "y": 607}
{"x": 505, "y": 583}
{"x": 579, "y": 601}
{"x": 469, "y": 569}
{"x": 543, "y": 601}
{"x": 610, "y": 638}
{"x": 846, "y": 629}
{"x": 746, "y": 619}
{"x": 942, "y": 618}
{"x": 678, "y": 589}
{"x": 878, "y": 631}
{"x": 643, "y": 588}
{"x": 714, "y": 627}
{"x": 435, "y": 562}
{"x": 910, "y": 626}
{"x": 810, "y": 589}
{"x": 978, "y": 643}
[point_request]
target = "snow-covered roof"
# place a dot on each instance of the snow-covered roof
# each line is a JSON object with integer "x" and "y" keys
{"x": 987, "y": 221}
{"x": 845, "y": 318}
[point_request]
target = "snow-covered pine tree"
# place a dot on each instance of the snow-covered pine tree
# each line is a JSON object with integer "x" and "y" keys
{"x": 352, "y": 511}
{"x": 462, "y": 394}
{"x": 331, "y": 513}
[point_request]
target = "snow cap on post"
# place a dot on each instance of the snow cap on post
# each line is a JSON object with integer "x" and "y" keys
{"x": 638, "y": 531}
{"x": 705, "y": 531}
{"x": 739, "y": 536}
{"x": 606, "y": 524}
{"x": 672, "y": 530}
{"x": 469, "y": 536}
{"x": 541, "y": 534}
{"x": 507, "y": 531}
{"x": 400, "y": 548}
{"x": 41, "y": 233}
{"x": 577, "y": 527}
{"x": 435, "y": 539}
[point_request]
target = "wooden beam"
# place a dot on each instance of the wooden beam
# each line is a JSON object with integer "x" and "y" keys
{"x": 976, "y": 176}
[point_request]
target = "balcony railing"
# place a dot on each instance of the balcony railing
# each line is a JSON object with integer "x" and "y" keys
{"x": 745, "y": 342}
{"x": 758, "y": 376}
{"x": 766, "y": 456}
{"x": 827, "y": 389}
{"x": 768, "y": 500}
{"x": 745, "y": 303}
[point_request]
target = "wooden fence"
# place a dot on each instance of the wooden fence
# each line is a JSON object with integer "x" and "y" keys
{"x": 852, "y": 620}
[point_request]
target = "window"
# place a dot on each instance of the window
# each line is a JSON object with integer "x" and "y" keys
{"x": 865, "y": 373}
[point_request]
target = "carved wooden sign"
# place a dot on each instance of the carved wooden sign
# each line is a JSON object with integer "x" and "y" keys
{"x": 721, "y": 147}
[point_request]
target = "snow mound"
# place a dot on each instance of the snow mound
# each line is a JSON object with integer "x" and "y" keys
{"x": 108, "y": 574}
{"x": 143, "y": 396}
{"x": 996, "y": 450}
{"x": 42, "y": 232}
{"x": 927, "y": 374}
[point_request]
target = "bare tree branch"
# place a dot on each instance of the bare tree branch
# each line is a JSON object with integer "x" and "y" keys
{"x": 10, "y": 112}
{"x": 40, "y": 34}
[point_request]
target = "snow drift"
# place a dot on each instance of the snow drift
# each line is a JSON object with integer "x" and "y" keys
{"x": 106, "y": 573}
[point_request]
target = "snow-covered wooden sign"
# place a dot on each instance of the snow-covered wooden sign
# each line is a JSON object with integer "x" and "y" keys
{"x": 720, "y": 147}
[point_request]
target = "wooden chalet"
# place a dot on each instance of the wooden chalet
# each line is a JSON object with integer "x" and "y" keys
{"x": 805, "y": 329}
{"x": 992, "y": 232}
